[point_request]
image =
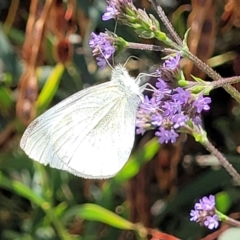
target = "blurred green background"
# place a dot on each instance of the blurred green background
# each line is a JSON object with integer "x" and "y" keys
{"x": 160, "y": 184}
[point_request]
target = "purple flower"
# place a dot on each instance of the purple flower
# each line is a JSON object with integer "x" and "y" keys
{"x": 149, "y": 105}
{"x": 156, "y": 119}
{"x": 207, "y": 203}
{"x": 179, "y": 120}
{"x": 116, "y": 8}
{"x": 170, "y": 108}
{"x": 171, "y": 68}
{"x": 204, "y": 212}
{"x": 161, "y": 84}
{"x": 197, "y": 120}
{"x": 212, "y": 221}
{"x": 194, "y": 215}
{"x": 102, "y": 48}
{"x": 111, "y": 12}
{"x": 166, "y": 136}
{"x": 181, "y": 95}
{"x": 201, "y": 103}
{"x": 172, "y": 62}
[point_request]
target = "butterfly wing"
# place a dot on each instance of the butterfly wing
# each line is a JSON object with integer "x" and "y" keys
{"x": 90, "y": 134}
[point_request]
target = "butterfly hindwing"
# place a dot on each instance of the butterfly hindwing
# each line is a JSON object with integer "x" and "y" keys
{"x": 90, "y": 134}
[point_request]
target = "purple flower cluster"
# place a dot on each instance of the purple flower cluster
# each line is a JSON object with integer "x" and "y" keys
{"x": 114, "y": 8}
{"x": 204, "y": 212}
{"x": 102, "y": 48}
{"x": 169, "y": 108}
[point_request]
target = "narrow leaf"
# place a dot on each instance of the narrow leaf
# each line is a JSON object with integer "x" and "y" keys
{"x": 97, "y": 213}
{"x": 50, "y": 87}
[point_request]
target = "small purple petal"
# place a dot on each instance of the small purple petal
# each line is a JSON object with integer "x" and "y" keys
{"x": 148, "y": 105}
{"x": 208, "y": 203}
{"x": 194, "y": 215}
{"x": 102, "y": 48}
{"x": 202, "y": 103}
{"x": 211, "y": 222}
{"x": 171, "y": 108}
{"x": 181, "y": 95}
{"x": 204, "y": 212}
{"x": 166, "y": 135}
{"x": 197, "y": 120}
{"x": 198, "y": 206}
{"x": 111, "y": 12}
{"x": 156, "y": 120}
{"x": 161, "y": 84}
{"x": 172, "y": 62}
{"x": 179, "y": 120}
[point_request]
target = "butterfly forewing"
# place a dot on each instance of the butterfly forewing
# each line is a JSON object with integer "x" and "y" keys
{"x": 90, "y": 134}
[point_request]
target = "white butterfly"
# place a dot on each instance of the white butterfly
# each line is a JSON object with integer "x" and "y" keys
{"x": 91, "y": 133}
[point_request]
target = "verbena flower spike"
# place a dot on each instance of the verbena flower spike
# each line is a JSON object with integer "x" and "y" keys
{"x": 169, "y": 108}
{"x": 205, "y": 213}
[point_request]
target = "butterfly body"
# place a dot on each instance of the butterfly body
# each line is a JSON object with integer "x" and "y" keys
{"x": 91, "y": 133}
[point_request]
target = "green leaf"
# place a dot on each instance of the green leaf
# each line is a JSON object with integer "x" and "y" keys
{"x": 223, "y": 201}
{"x": 197, "y": 79}
{"x": 183, "y": 83}
{"x": 50, "y": 87}
{"x": 185, "y": 38}
{"x": 144, "y": 33}
{"x": 97, "y": 213}
{"x": 6, "y": 99}
{"x": 135, "y": 162}
{"x": 21, "y": 189}
{"x": 16, "y": 35}
{"x": 161, "y": 36}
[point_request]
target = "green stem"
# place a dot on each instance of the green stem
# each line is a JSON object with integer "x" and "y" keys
{"x": 227, "y": 219}
{"x": 48, "y": 205}
{"x": 62, "y": 233}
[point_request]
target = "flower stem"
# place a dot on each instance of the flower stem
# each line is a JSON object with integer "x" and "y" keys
{"x": 202, "y": 138}
{"x": 225, "y": 81}
{"x": 149, "y": 47}
{"x": 211, "y": 73}
{"x": 167, "y": 23}
{"x": 227, "y": 219}
{"x": 224, "y": 162}
{"x": 60, "y": 229}
{"x": 233, "y": 222}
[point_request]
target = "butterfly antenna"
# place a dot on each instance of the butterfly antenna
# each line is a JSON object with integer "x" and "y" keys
{"x": 141, "y": 75}
{"x": 128, "y": 59}
{"x": 108, "y": 63}
{"x": 114, "y": 31}
{"x": 115, "y": 26}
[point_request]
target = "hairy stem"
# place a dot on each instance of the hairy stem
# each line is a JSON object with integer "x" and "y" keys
{"x": 149, "y": 47}
{"x": 225, "y": 81}
{"x": 233, "y": 222}
{"x": 224, "y": 162}
{"x": 167, "y": 23}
